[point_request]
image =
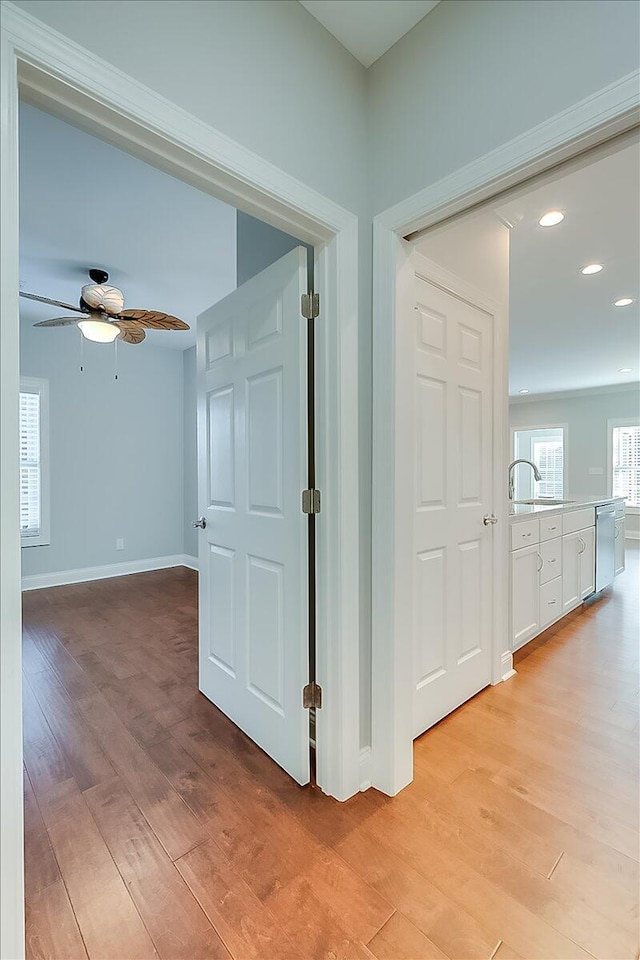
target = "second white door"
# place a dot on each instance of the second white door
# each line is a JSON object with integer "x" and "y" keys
{"x": 252, "y": 445}
{"x": 453, "y": 546}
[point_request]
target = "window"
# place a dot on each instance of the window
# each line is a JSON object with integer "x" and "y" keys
{"x": 545, "y": 447}
{"x": 625, "y": 461}
{"x": 34, "y": 462}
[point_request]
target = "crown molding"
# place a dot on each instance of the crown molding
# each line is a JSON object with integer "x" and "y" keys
{"x": 575, "y": 394}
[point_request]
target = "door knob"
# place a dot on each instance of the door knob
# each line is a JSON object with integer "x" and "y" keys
{"x": 200, "y": 523}
{"x": 489, "y": 518}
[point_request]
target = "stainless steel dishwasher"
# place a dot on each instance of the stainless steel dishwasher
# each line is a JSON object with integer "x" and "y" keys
{"x": 605, "y": 545}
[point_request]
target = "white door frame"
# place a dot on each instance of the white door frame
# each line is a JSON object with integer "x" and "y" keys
{"x": 600, "y": 117}
{"x": 63, "y": 77}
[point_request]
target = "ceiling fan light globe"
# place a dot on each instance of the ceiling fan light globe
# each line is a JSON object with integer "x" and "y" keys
{"x": 100, "y": 331}
{"x": 101, "y": 296}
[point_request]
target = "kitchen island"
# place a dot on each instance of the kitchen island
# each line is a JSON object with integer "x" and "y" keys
{"x": 553, "y": 560}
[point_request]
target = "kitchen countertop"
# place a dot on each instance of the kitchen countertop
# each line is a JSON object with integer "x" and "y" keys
{"x": 523, "y": 511}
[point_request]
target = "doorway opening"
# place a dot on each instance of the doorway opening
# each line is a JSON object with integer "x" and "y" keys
{"x": 469, "y": 261}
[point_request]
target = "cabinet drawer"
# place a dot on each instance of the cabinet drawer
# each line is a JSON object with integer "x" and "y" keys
{"x": 550, "y": 602}
{"x": 578, "y": 520}
{"x": 524, "y": 534}
{"x": 551, "y": 553}
{"x": 550, "y": 527}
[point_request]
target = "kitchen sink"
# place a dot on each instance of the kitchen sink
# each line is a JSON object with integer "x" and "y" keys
{"x": 543, "y": 502}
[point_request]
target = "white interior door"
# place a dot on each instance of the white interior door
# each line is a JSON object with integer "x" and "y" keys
{"x": 453, "y": 548}
{"x": 252, "y": 427}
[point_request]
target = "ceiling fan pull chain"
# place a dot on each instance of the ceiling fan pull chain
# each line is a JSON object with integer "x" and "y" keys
{"x": 115, "y": 358}
{"x": 81, "y": 351}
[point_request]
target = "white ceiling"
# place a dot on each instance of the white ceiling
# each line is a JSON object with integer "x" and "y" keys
{"x": 565, "y": 333}
{"x": 84, "y": 203}
{"x": 367, "y": 28}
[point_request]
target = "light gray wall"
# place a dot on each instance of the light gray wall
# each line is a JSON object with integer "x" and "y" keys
{"x": 116, "y": 451}
{"x": 264, "y": 72}
{"x": 473, "y": 75}
{"x": 586, "y": 439}
{"x": 259, "y": 245}
{"x": 190, "y": 453}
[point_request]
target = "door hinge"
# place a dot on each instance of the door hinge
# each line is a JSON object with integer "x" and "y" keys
{"x": 311, "y": 501}
{"x": 310, "y": 305}
{"x": 312, "y": 696}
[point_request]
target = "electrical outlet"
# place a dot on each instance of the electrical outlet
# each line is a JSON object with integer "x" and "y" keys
{"x": 120, "y": 543}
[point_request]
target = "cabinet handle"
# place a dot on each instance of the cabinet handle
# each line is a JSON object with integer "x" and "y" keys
{"x": 551, "y": 602}
{"x": 541, "y": 563}
{"x": 617, "y": 533}
{"x": 553, "y": 560}
{"x": 584, "y": 546}
{"x": 552, "y": 528}
{"x": 528, "y": 534}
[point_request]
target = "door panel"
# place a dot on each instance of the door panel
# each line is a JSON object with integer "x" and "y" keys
{"x": 588, "y": 563}
{"x": 619, "y": 546}
{"x": 570, "y": 571}
{"x": 252, "y": 436}
{"x": 525, "y": 595}
{"x": 453, "y": 567}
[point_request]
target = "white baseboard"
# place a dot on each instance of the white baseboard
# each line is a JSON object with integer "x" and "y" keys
{"x": 107, "y": 570}
{"x": 365, "y": 768}
{"x": 506, "y": 664}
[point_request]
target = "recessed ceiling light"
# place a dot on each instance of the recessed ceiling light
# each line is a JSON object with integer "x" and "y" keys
{"x": 523, "y": 391}
{"x": 623, "y": 302}
{"x": 591, "y": 268}
{"x": 624, "y": 370}
{"x": 551, "y": 218}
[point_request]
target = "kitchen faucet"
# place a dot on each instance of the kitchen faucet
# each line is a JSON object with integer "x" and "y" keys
{"x": 536, "y": 474}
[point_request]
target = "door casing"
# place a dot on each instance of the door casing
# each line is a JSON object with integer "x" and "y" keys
{"x": 67, "y": 80}
{"x": 599, "y": 118}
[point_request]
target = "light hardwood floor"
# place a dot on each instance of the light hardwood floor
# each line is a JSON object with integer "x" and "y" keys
{"x": 154, "y": 828}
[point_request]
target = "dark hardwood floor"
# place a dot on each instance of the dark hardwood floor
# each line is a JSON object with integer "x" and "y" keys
{"x": 154, "y": 828}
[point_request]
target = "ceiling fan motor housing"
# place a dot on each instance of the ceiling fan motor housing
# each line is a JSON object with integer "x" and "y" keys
{"x": 101, "y": 296}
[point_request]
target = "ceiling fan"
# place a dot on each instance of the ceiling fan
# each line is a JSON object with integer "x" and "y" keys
{"x": 102, "y": 318}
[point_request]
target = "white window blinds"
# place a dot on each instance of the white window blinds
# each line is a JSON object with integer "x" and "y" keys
{"x": 626, "y": 464}
{"x": 544, "y": 446}
{"x": 548, "y": 455}
{"x": 30, "y": 465}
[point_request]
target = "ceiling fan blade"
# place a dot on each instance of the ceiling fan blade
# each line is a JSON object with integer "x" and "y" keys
{"x": 54, "y": 303}
{"x": 153, "y": 320}
{"x": 130, "y": 332}
{"x": 59, "y": 321}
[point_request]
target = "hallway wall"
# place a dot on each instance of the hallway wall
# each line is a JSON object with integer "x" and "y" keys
{"x": 472, "y": 76}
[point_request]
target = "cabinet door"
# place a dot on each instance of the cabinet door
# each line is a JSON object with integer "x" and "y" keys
{"x": 571, "y": 546}
{"x": 587, "y": 556}
{"x": 551, "y": 553}
{"x": 525, "y": 624}
{"x": 550, "y": 602}
{"x": 619, "y": 546}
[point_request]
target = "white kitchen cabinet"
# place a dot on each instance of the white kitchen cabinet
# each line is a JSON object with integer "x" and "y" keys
{"x": 578, "y": 567}
{"x": 587, "y": 557}
{"x": 550, "y": 602}
{"x": 551, "y": 559}
{"x": 619, "y": 545}
{"x": 525, "y": 619}
{"x": 570, "y": 571}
